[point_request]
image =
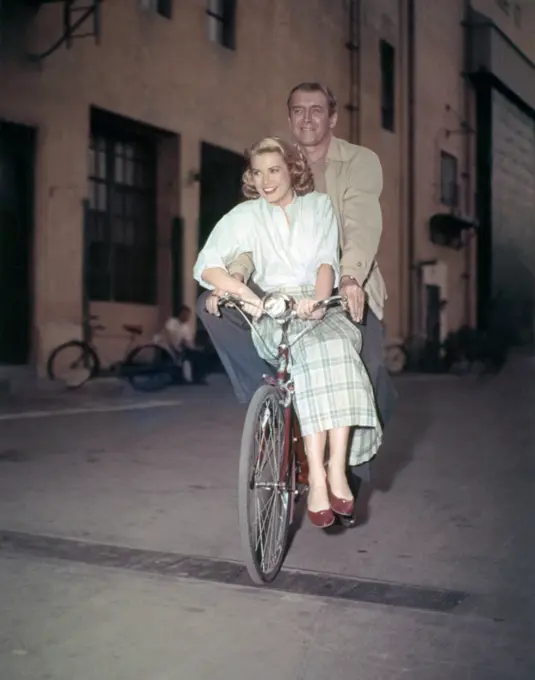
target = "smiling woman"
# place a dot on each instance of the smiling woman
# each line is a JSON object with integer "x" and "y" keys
{"x": 275, "y": 171}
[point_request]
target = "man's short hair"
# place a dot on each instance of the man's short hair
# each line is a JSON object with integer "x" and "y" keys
{"x": 315, "y": 87}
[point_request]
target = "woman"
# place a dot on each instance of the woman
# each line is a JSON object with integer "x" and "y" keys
{"x": 292, "y": 234}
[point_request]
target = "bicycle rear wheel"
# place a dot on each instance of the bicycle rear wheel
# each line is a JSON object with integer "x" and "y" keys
{"x": 266, "y": 485}
{"x": 74, "y": 363}
{"x": 149, "y": 368}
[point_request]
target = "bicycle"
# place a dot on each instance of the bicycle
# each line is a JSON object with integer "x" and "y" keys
{"x": 271, "y": 423}
{"x": 76, "y": 361}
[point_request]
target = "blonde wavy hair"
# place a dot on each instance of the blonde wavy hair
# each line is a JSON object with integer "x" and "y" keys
{"x": 301, "y": 177}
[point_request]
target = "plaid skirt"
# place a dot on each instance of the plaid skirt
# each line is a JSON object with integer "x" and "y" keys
{"x": 332, "y": 387}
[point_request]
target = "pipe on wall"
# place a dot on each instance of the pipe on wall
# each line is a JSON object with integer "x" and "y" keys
{"x": 413, "y": 283}
{"x": 467, "y": 162}
{"x": 353, "y": 46}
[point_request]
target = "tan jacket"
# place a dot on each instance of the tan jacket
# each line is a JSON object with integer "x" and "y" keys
{"x": 354, "y": 180}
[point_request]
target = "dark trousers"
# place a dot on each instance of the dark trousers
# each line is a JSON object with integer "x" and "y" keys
{"x": 196, "y": 359}
{"x": 231, "y": 337}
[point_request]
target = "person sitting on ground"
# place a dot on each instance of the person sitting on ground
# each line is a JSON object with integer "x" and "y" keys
{"x": 179, "y": 334}
{"x": 291, "y": 232}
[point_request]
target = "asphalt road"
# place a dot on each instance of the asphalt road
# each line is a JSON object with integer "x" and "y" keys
{"x": 120, "y": 553}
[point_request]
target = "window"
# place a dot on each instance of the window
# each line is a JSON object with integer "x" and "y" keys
{"x": 222, "y": 22}
{"x": 388, "y": 85}
{"x": 121, "y": 229}
{"x": 162, "y": 7}
{"x": 449, "y": 188}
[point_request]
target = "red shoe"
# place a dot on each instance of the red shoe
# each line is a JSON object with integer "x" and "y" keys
{"x": 321, "y": 519}
{"x": 341, "y": 506}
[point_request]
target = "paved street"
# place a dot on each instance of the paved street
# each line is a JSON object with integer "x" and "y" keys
{"x": 120, "y": 553}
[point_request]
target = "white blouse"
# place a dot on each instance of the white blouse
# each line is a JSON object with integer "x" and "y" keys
{"x": 282, "y": 255}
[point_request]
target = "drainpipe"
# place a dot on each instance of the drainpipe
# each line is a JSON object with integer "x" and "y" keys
{"x": 413, "y": 292}
{"x": 353, "y": 46}
{"x": 467, "y": 175}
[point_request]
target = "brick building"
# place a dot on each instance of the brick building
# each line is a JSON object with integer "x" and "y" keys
{"x": 120, "y": 150}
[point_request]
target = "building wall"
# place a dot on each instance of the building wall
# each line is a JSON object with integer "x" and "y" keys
{"x": 516, "y": 18}
{"x": 444, "y": 107}
{"x": 167, "y": 73}
{"x": 381, "y": 20}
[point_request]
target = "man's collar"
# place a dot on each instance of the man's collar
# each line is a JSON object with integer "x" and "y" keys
{"x": 334, "y": 152}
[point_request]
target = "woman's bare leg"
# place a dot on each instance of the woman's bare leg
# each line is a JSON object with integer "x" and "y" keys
{"x": 337, "y": 469}
{"x": 318, "y": 498}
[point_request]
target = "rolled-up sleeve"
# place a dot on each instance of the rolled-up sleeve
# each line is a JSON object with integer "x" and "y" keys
{"x": 328, "y": 242}
{"x": 228, "y": 239}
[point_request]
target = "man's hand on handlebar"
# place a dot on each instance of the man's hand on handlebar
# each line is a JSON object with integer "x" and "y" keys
{"x": 355, "y": 296}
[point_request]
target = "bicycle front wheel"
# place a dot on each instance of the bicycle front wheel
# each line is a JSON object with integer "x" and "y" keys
{"x": 266, "y": 485}
{"x": 73, "y": 363}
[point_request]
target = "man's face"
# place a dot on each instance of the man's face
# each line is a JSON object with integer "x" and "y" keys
{"x": 309, "y": 118}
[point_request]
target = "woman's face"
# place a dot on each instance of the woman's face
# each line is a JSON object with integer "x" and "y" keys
{"x": 271, "y": 178}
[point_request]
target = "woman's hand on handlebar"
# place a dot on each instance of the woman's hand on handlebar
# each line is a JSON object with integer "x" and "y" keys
{"x": 305, "y": 310}
{"x": 253, "y": 307}
{"x": 248, "y": 302}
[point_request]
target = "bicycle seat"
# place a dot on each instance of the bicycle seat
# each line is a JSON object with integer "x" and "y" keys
{"x": 135, "y": 330}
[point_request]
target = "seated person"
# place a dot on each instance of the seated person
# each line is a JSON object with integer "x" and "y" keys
{"x": 292, "y": 235}
{"x": 179, "y": 335}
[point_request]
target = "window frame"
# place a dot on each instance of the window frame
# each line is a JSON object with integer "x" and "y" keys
{"x": 164, "y": 8}
{"x": 127, "y": 240}
{"x": 222, "y": 22}
{"x": 449, "y": 179}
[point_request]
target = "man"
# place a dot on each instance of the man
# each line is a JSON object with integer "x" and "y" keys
{"x": 352, "y": 176}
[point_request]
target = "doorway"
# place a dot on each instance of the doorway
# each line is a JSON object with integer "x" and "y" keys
{"x": 221, "y": 172}
{"x": 220, "y": 191}
{"x": 17, "y": 153}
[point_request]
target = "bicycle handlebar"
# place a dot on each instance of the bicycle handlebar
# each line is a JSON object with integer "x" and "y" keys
{"x": 231, "y": 299}
{"x": 327, "y": 302}
{"x": 283, "y": 309}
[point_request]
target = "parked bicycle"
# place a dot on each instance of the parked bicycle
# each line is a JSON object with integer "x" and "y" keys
{"x": 273, "y": 470}
{"x": 147, "y": 367}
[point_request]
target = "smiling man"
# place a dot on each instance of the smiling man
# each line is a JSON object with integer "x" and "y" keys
{"x": 352, "y": 176}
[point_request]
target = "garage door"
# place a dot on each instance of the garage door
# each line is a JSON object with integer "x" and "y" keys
{"x": 513, "y": 218}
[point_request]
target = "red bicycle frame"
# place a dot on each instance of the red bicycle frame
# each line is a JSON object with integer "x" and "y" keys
{"x": 294, "y": 448}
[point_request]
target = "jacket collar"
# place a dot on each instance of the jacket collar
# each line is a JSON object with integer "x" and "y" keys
{"x": 334, "y": 152}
